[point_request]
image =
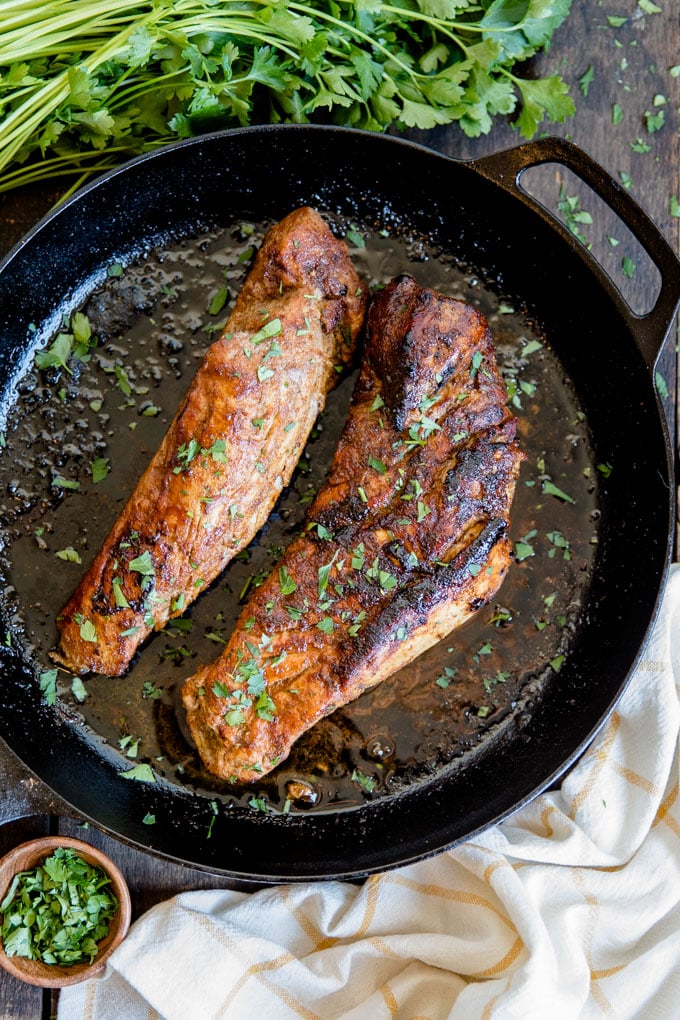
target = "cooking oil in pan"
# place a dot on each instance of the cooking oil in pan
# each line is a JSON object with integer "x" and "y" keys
{"x": 80, "y": 439}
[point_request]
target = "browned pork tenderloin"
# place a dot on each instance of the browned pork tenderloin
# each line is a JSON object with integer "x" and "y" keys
{"x": 229, "y": 451}
{"x": 404, "y": 543}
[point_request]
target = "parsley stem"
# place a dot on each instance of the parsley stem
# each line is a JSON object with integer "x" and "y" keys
{"x": 238, "y": 27}
{"x": 28, "y": 116}
{"x": 49, "y": 35}
{"x": 445, "y": 26}
{"x": 345, "y": 26}
{"x": 59, "y": 166}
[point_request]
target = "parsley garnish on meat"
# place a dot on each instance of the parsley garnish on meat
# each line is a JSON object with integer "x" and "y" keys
{"x": 118, "y": 595}
{"x": 143, "y": 565}
{"x": 87, "y": 629}
{"x": 286, "y": 582}
{"x": 324, "y": 573}
{"x": 187, "y": 452}
{"x": 269, "y": 330}
{"x": 385, "y": 580}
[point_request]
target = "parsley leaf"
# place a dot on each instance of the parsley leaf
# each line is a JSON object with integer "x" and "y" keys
{"x": 99, "y": 468}
{"x": 367, "y": 783}
{"x": 586, "y": 80}
{"x": 48, "y": 685}
{"x": 142, "y": 773}
{"x": 143, "y": 564}
{"x": 286, "y": 583}
{"x": 547, "y": 97}
{"x": 57, "y": 354}
{"x": 218, "y": 300}
{"x": 377, "y": 465}
{"x": 552, "y": 490}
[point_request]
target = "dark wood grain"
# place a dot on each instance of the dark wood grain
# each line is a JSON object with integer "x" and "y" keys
{"x": 630, "y": 67}
{"x": 19, "y": 1000}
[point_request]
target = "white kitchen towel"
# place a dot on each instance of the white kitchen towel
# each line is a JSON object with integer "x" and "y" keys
{"x": 569, "y": 909}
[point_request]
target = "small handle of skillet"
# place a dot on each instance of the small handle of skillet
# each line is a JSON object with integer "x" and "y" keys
{"x": 506, "y": 168}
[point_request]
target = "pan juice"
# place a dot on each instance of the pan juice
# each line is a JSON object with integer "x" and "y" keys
{"x": 80, "y": 437}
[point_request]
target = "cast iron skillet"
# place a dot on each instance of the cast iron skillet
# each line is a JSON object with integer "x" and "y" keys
{"x": 478, "y": 211}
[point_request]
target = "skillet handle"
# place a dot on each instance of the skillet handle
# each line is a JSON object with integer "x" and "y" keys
{"x": 506, "y": 168}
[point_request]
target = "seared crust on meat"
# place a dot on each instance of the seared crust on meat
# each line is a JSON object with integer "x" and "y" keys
{"x": 230, "y": 450}
{"x": 404, "y": 543}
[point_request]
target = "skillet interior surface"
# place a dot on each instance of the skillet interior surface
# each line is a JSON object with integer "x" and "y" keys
{"x": 480, "y": 723}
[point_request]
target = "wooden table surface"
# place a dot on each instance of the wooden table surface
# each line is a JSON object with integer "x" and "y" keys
{"x": 628, "y": 66}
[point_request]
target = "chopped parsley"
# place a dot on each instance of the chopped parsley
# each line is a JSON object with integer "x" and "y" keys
{"x": 286, "y": 583}
{"x": 559, "y": 542}
{"x": 523, "y": 548}
{"x": 48, "y": 685}
{"x": 475, "y": 364}
{"x": 265, "y": 707}
{"x": 150, "y": 691}
{"x": 78, "y": 689}
{"x": 187, "y": 452}
{"x": 68, "y": 554}
{"x": 323, "y": 575}
{"x": 385, "y": 580}
{"x": 218, "y": 300}
{"x": 65, "y": 483}
{"x": 142, "y": 773}
{"x": 377, "y": 465}
{"x": 551, "y": 489}
{"x": 490, "y": 682}
{"x": 445, "y": 678}
{"x": 358, "y": 558}
{"x": 367, "y": 783}
{"x": 586, "y": 80}
{"x": 87, "y": 630}
{"x": 59, "y": 911}
{"x": 269, "y": 330}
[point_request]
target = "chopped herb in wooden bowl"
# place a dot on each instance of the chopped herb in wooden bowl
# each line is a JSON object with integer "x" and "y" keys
{"x": 59, "y": 911}
{"x": 64, "y": 908}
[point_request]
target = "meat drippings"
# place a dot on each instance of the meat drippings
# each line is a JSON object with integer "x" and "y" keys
{"x": 440, "y": 710}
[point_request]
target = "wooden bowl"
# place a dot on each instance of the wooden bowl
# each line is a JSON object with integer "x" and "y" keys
{"x": 51, "y": 975}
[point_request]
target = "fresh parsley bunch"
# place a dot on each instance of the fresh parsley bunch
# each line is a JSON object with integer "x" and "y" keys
{"x": 87, "y": 83}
